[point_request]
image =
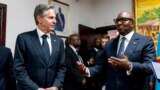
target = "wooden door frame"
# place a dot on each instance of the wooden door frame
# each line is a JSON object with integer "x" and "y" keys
{"x": 3, "y": 14}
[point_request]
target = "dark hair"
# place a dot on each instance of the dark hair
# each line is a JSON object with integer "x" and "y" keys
{"x": 40, "y": 10}
{"x": 105, "y": 36}
{"x": 71, "y": 36}
{"x": 94, "y": 42}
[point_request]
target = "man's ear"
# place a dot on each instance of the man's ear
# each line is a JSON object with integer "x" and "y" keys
{"x": 133, "y": 24}
{"x": 39, "y": 19}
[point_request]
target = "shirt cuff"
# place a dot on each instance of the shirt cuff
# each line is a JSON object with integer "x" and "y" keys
{"x": 130, "y": 70}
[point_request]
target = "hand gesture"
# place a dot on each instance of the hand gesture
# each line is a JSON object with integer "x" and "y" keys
{"x": 120, "y": 63}
{"x": 82, "y": 68}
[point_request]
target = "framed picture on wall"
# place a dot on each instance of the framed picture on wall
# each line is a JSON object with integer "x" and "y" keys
{"x": 147, "y": 15}
{"x": 3, "y": 11}
{"x": 62, "y": 17}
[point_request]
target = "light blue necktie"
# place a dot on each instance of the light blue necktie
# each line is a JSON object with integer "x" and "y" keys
{"x": 121, "y": 47}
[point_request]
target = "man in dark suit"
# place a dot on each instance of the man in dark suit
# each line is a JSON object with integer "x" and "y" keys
{"x": 93, "y": 51}
{"x": 7, "y": 79}
{"x": 127, "y": 60}
{"x": 39, "y": 56}
{"x": 74, "y": 79}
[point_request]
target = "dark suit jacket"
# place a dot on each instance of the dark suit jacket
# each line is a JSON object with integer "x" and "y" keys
{"x": 7, "y": 80}
{"x": 73, "y": 78}
{"x": 31, "y": 69}
{"x": 140, "y": 51}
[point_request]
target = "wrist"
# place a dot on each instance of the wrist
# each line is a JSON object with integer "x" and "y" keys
{"x": 129, "y": 66}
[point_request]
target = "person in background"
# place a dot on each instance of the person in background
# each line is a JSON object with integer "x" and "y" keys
{"x": 96, "y": 82}
{"x": 126, "y": 58}
{"x": 92, "y": 53}
{"x": 104, "y": 38}
{"x": 74, "y": 79}
{"x": 39, "y": 60}
{"x": 150, "y": 82}
{"x": 7, "y": 79}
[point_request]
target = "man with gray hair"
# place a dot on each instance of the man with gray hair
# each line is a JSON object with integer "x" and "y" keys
{"x": 39, "y": 55}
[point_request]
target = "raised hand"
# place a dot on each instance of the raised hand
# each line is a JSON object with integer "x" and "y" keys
{"x": 123, "y": 63}
{"x": 81, "y": 67}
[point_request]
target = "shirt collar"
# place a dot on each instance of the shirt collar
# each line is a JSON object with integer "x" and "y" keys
{"x": 128, "y": 36}
{"x": 40, "y": 33}
{"x": 73, "y": 48}
{"x": 96, "y": 49}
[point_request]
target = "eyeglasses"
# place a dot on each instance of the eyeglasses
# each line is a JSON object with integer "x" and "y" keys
{"x": 122, "y": 20}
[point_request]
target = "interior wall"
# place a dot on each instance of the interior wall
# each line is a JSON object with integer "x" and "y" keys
{"x": 86, "y": 12}
{"x": 80, "y": 13}
{"x": 19, "y": 18}
{"x": 107, "y": 10}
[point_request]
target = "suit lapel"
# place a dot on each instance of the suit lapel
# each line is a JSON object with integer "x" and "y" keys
{"x": 75, "y": 57}
{"x": 114, "y": 46}
{"x": 55, "y": 46}
{"x": 132, "y": 45}
{"x": 37, "y": 44}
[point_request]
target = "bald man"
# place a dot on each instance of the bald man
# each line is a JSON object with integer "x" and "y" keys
{"x": 126, "y": 68}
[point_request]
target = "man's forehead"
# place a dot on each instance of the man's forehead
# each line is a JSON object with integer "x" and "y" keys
{"x": 125, "y": 15}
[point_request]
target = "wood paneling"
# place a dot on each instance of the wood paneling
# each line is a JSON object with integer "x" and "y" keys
{"x": 3, "y": 12}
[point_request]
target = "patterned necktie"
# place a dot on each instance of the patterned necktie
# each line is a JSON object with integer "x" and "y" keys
{"x": 79, "y": 57}
{"x": 121, "y": 47}
{"x": 45, "y": 47}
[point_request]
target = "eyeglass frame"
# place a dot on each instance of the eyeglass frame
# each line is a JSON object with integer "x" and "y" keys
{"x": 122, "y": 20}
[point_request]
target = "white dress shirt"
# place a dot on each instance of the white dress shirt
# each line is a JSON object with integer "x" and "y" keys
{"x": 40, "y": 34}
{"x": 126, "y": 42}
{"x": 75, "y": 51}
{"x": 128, "y": 38}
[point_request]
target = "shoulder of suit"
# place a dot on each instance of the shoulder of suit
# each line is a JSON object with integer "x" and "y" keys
{"x": 56, "y": 37}
{"x": 4, "y": 48}
{"x": 142, "y": 36}
{"x": 27, "y": 33}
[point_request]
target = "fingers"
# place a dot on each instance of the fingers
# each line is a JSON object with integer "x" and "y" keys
{"x": 81, "y": 67}
{"x": 123, "y": 55}
{"x": 79, "y": 63}
{"x": 114, "y": 61}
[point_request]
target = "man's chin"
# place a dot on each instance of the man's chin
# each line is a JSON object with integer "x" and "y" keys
{"x": 51, "y": 29}
{"x": 120, "y": 30}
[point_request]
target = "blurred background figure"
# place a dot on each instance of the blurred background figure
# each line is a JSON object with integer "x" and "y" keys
{"x": 104, "y": 38}
{"x": 74, "y": 79}
{"x": 94, "y": 50}
{"x": 7, "y": 79}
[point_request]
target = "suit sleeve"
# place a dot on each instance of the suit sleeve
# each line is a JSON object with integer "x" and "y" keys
{"x": 61, "y": 67}
{"x": 100, "y": 65}
{"x": 148, "y": 55}
{"x": 19, "y": 66}
{"x": 11, "y": 81}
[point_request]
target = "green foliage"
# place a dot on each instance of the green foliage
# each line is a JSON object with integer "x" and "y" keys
{"x": 149, "y": 15}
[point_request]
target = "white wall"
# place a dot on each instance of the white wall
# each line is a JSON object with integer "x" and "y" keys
{"x": 20, "y": 15}
{"x": 80, "y": 13}
{"x": 107, "y": 10}
{"x": 19, "y": 18}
